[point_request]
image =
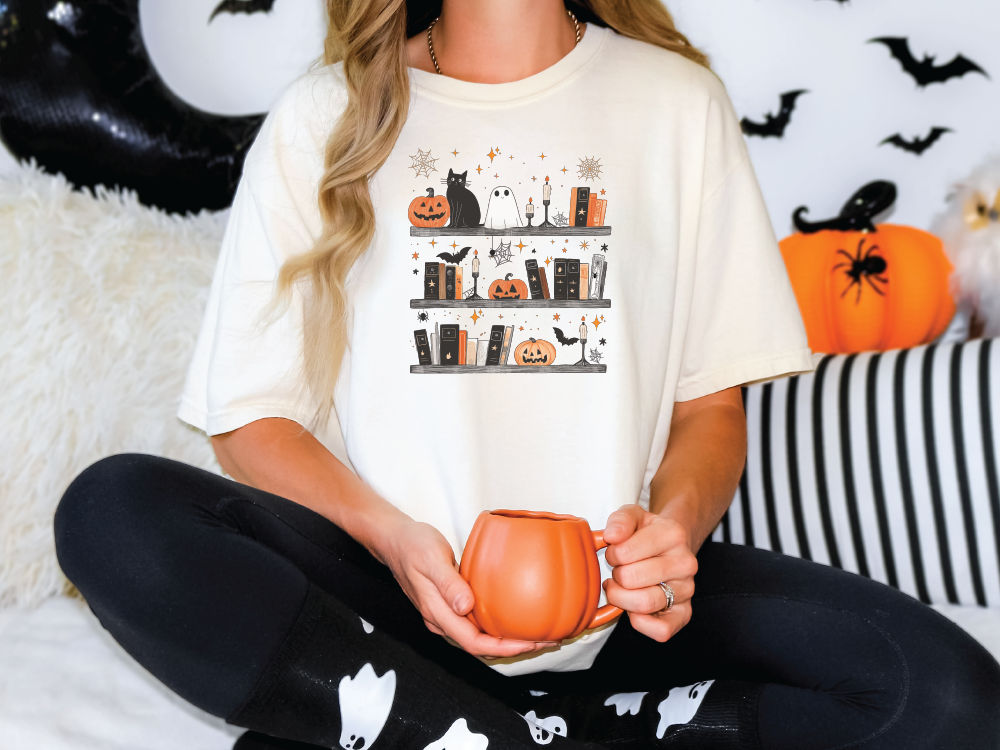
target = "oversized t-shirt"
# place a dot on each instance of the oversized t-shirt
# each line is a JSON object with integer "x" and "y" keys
{"x": 556, "y": 262}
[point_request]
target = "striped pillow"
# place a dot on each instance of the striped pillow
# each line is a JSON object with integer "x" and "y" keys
{"x": 883, "y": 464}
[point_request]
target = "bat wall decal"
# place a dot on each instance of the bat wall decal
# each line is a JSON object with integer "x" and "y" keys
{"x": 774, "y": 125}
{"x": 562, "y": 339}
{"x": 242, "y": 6}
{"x": 917, "y": 145}
{"x": 455, "y": 258}
{"x": 925, "y": 72}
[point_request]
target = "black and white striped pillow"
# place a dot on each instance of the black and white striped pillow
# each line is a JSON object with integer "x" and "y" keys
{"x": 884, "y": 464}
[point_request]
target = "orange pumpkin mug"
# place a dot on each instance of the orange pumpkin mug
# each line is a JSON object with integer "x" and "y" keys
{"x": 535, "y": 575}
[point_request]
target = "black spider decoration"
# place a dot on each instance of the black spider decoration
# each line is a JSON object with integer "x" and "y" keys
{"x": 865, "y": 265}
{"x": 423, "y": 316}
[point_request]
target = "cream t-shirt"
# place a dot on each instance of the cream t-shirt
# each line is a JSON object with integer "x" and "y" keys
{"x": 659, "y": 252}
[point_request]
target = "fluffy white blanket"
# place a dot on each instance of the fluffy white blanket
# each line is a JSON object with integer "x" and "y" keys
{"x": 101, "y": 299}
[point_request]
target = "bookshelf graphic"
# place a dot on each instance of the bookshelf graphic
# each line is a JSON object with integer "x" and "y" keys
{"x": 576, "y": 283}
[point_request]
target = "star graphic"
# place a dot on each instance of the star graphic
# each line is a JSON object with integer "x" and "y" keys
{"x": 552, "y": 241}
{"x": 533, "y": 250}
{"x": 454, "y": 245}
{"x": 494, "y": 347}
{"x": 520, "y": 245}
{"x": 582, "y": 212}
{"x": 542, "y": 156}
{"x": 602, "y": 191}
{"x": 533, "y": 179}
{"x": 496, "y": 175}
{"x": 548, "y": 260}
{"x": 501, "y": 317}
{"x": 604, "y": 247}
{"x": 565, "y": 249}
{"x": 584, "y": 245}
{"x": 602, "y": 318}
{"x": 521, "y": 328}
{"x": 455, "y": 152}
{"x": 415, "y": 272}
{"x": 512, "y": 158}
{"x": 491, "y": 155}
{"x": 555, "y": 317}
{"x": 603, "y": 342}
{"x": 423, "y": 163}
{"x": 595, "y": 322}
{"x": 479, "y": 169}
{"x": 430, "y": 284}
{"x": 416, "y": 255}
{"x": 433, "y": 242}
{"x": 563, "y": 170}
{"x": 533, "y": 277}
{"x": 475, "y": 317}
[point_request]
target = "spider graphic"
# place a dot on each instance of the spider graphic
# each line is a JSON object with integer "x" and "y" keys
{"x": 868, "y": 267}
{"x": 423, "y": 317}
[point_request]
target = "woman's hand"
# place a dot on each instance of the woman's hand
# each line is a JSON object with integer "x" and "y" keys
{"x": 423, "y": 562}
{"x": 644, "y": 550}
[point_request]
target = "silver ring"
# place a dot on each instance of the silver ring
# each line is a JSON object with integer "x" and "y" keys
{"x": 669, "y": 593}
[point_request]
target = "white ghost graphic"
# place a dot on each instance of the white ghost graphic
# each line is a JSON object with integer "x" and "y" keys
{"x": 502, "y": 210}
{"x": 680, "y": 705}
{"x": 543, "y": 729}
{"x": 369, "y": 628}
{"x": 623, "y": 702}
{"x": 458, "y": 737}
{"x": 365, "y": 702}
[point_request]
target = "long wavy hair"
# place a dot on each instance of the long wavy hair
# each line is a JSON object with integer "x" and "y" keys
{"x": 369, "y": 38}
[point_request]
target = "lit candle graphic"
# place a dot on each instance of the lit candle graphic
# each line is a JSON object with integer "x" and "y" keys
{"x": 546, "y": 199}
{"x": 529, "y": 211}
{"x": 475, "y": 276}
{"x": 583, "y": 343}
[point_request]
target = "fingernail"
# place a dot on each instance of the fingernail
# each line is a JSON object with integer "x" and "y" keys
{"x": 461, "y": 603}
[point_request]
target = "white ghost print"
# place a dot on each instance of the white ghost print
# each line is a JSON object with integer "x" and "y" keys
{"x": 369, "y": 628}
{"x": 458, "y": 737}
{"x": 543, "y": 729}
{"x": 502, "y": 210}
{"x": 365, "y": 702}
{"x": 680, "y": 705}
{"x": 623, "y": 702}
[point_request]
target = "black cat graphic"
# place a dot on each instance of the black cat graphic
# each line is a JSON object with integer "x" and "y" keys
{"x": 464, "y": 206}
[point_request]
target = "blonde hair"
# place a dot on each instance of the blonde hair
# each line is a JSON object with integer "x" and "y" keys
{"x": 369, "y": 38}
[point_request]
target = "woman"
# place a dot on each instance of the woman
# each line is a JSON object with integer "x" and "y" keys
{"x": 308, "y": 602}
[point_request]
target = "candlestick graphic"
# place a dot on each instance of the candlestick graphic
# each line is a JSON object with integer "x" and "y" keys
{"x": 546, "y": 199}
{"x": 529, "y": 211}
{"x": 583, "y": 345}
{"x": 475, "y": 277}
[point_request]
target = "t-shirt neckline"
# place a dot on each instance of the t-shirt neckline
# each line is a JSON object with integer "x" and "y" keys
{"x": 467, "y": 92}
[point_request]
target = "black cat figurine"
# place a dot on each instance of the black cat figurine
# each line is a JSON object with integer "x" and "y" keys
{"x": 464, "y": 206}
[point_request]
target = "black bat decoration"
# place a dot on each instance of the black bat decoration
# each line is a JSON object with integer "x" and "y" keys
{"x": 457, "y": 257}
{"x": 774, "y": 125}
{"x": 562, "y": 339}
{"x": 917, "y": 145}
{"x": 925, "y": 72}
{"x": 242, "y": 6}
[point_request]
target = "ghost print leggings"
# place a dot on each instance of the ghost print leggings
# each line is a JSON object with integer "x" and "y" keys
{"x": 260, "y": 611}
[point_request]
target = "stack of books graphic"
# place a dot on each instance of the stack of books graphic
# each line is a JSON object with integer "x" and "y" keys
{"x": 571, "y": 278}
{"x": 451, "y": 345}
{"x": 442, "y": 281}
{"x": 588, "y": 210}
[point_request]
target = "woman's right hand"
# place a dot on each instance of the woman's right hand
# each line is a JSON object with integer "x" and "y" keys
{"x": 424, "y": 564}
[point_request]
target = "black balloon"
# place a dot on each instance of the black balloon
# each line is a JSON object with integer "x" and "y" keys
{"x": 79, "y": 94}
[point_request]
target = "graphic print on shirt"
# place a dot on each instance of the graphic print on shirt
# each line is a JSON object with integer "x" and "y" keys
{"x": 543, "y": 730}
{"x": 459, "y": 737}
{"x": 630, "y": 702}
{"x": 486, "y": 304}
{"x": 680, "y": 705}
{"x": 365, "y": 702}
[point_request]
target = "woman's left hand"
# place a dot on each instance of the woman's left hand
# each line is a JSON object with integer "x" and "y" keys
{"x": 645, "y": 549}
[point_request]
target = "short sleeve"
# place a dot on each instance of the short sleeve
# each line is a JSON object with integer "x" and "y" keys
{"x": 744, "y": 325}
{"x": 246, "y": 365}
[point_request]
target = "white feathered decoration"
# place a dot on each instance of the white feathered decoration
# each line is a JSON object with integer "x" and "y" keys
{"x": 970, "y": 230}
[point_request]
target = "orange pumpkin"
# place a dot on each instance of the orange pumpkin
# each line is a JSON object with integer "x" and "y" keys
{"x": 534, "y": 352}
{"x": 508, "y": 288}
{"x": 429, "y": 210}
{"x": 869, "y": 290}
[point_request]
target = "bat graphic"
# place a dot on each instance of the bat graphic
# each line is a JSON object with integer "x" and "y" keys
{"x": 242, "y": 6}
{"x": 562, "y": 339}
{"x": 455, "y": 258}
{"x": 774, "y": 125}
{"x": 925, "y": 72}
{"x": 917, "y": 145}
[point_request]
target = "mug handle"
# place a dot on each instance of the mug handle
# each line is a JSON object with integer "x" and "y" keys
{"x": 608, "y": 612}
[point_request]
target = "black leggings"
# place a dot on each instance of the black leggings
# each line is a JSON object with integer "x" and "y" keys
{"x": 229, "y": 595}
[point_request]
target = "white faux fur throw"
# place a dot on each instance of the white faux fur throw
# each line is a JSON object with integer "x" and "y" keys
{"x": 101, "y": 300}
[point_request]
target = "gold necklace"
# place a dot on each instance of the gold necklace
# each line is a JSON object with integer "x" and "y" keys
{"x": 430, "y": 42}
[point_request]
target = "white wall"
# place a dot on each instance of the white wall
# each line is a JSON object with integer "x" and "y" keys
{"x": 760, "y": 48}
{"x": 859, "y": 94}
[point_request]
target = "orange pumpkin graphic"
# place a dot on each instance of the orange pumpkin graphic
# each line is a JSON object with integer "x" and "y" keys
{"x": 429, "y": 210}
{"x": 535, "y": 352}
{"x": 508, "y": 288}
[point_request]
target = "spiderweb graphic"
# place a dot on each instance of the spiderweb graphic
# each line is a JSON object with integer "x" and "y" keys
{"x": 501, "y": 254}
{"x": 560, "y": 219}
{"x": 589, "y": 168}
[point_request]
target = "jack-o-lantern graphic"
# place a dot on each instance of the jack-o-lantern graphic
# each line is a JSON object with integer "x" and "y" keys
{"x": 429, "y": 210}
{"x": 535, "y": 352}
{"x": 508, "y": 288}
